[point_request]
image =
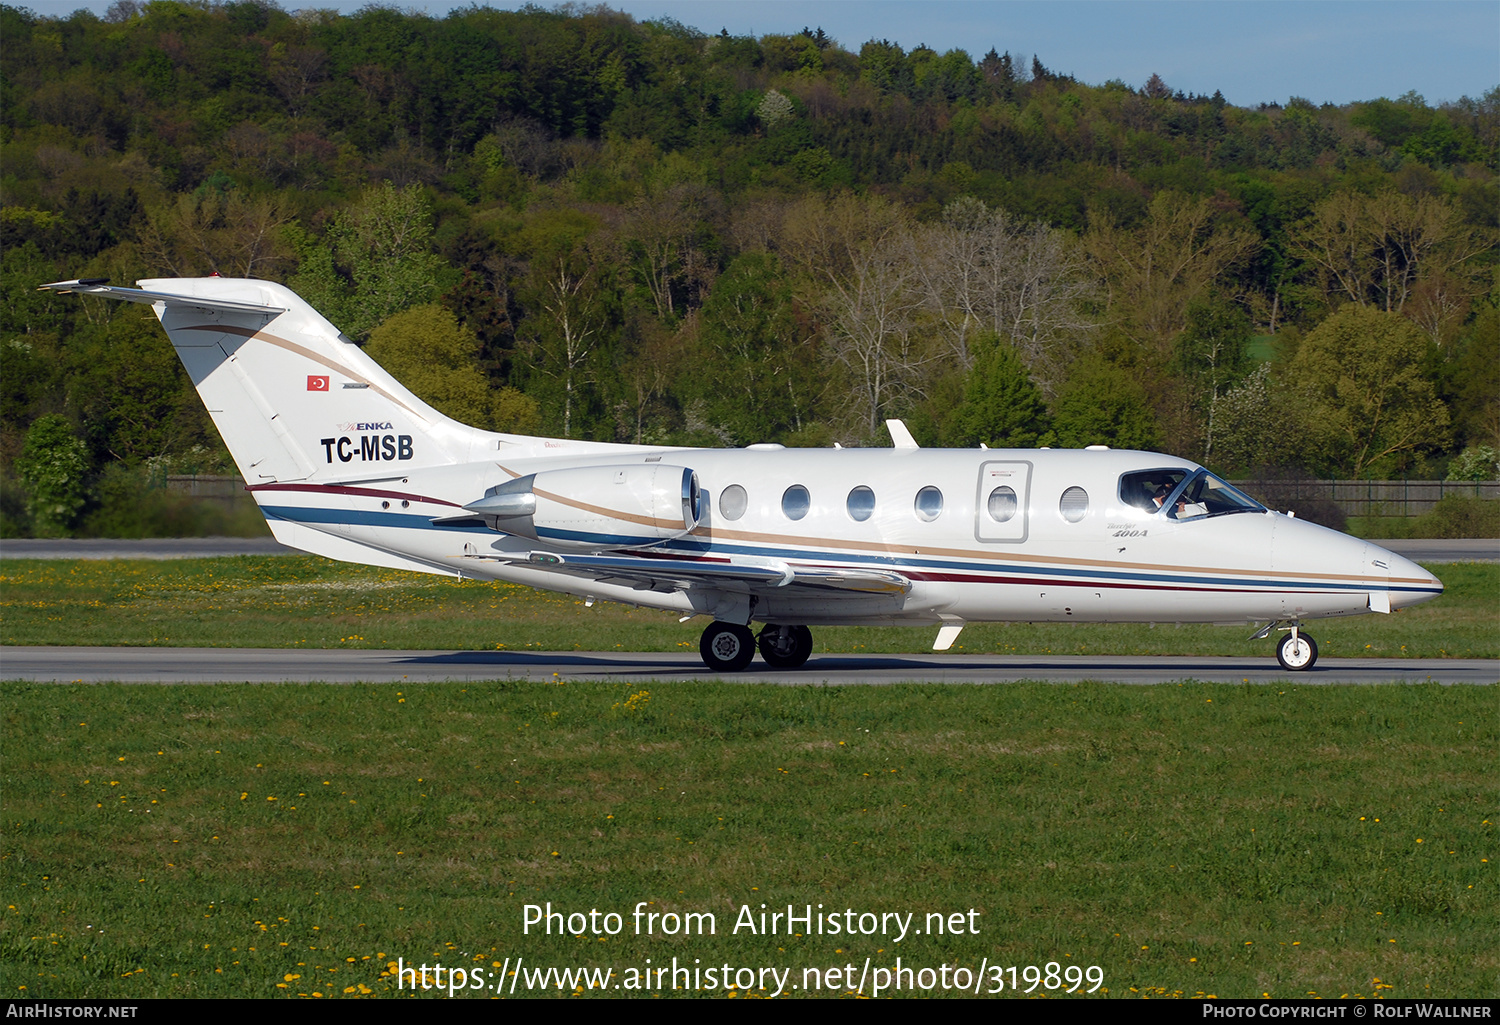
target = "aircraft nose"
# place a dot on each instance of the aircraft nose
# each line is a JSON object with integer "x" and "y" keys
{"x": 1410, "y": 584}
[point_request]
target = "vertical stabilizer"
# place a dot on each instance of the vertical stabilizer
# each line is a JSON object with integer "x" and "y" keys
{"x": 293, "y": 398}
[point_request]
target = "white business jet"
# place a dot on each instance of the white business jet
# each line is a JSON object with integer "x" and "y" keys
{"x": 348, "y": 464}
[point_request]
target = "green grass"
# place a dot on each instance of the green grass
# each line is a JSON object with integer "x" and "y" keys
{"x": 284, "y": 601}
{"x": 219, "y": 841}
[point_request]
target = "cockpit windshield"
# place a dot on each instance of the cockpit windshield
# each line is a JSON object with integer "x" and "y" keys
{"x": 1184, "y": 495}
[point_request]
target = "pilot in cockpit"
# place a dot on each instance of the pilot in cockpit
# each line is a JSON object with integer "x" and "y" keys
{"x": 1184, "y": 509}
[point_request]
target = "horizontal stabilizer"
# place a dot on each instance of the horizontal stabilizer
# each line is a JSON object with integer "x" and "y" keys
{"x": 98, "y": 287}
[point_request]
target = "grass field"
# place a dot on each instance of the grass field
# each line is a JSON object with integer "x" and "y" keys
{"x": 297, "y": 840}
{"x": 1186, "y": 839}
{"x": 277, "y": 602}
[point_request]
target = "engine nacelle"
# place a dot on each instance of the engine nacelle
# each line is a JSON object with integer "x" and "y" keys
{"x": 595, "y": 507}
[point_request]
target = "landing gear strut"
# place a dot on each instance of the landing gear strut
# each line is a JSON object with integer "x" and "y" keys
{"x": 785, "y": 647}
{"x": 727, "y": 647}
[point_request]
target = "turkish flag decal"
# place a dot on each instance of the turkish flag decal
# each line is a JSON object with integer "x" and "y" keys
{"x": 316, "y": 383}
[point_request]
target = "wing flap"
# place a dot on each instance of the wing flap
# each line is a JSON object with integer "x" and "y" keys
{"x": 668, "y": 574}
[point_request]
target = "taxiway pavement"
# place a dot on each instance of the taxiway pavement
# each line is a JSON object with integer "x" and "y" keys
{"x": 293, "y": 665}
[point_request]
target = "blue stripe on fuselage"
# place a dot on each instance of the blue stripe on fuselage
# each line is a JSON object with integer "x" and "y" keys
{"x": 411, "y": 521}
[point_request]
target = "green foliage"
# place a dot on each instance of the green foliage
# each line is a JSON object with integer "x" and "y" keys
{"x": 52, "y": 466}
{"x": 428, "y": 351}
{"x": 133, "y": 502}
{"x": 515, "y": 412}
{"x": 593, "y": 183}
{"x": 1103, "y": 404}
{"x": 1368, "y": 405}
{"x": 376, "y": 261}
{"x": 1001, "y": 405}
{"x": 1471, "y": 375}
{"x": 756, "y": 383}
{"x": 1454, "y": 516}
{"x": 1213, "y": 349}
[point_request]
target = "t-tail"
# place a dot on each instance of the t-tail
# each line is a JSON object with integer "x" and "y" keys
{"x": 294, "y": 399}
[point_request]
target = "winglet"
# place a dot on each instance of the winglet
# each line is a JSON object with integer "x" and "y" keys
{"x": 900, "y": 436}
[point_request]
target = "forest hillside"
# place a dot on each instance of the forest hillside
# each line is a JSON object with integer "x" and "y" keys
{"x": 569, "y": 222}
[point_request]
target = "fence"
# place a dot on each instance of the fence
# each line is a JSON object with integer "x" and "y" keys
{"x": 1369, "y": 497}
{"x": 228, "y": 491}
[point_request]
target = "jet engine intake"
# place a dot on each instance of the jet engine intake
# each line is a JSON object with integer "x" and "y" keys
{"x": 593, "y": 508}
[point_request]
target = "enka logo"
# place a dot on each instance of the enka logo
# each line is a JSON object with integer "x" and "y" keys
{"x": 373, "y": 425}
{"x": 371, "y": 448}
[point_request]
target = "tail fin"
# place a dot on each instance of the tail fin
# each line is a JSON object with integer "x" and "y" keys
{"x": 292, "y": 397}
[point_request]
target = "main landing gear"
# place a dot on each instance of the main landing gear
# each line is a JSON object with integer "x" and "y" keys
{"x": 729, "y": 647}
{"x": 1297, "y": 651}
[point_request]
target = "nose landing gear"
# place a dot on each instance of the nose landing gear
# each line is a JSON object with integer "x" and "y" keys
{"x": 1297, "y": 651}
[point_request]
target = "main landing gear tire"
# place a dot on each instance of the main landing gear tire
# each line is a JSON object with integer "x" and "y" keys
{"x": 785, "y": 647}
{"x": 1297, "y": 653}
{"x": 727, "y": 647}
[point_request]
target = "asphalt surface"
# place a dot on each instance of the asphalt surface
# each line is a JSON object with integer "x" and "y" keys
{"x": 276, "y": 665}
{"x": 1478, "y": 550}
{"x": 147, "y": 548}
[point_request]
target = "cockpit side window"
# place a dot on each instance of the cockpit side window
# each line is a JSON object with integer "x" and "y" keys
{"x": 1148, "y": 490}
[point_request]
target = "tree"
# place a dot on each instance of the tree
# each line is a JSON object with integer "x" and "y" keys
{"x": 427, "y": 350}
{"x": 377, "y": 259}
{"x": 1257, "y": 427}
{"x": 868, "y": 299}
{"x": 1103, "y": 405}
{"x": 1155, "y": 271}
{"x": 1001, "y": 406}
{"x": 660, "y": 232}
{"x": 52, "y": 465}
{"x": 1390, "y": 249}
{"x": 757, "y": 376}
{"x": 569, "y": 304}
{"x": 1360, "y": 373}
{"x": 982, "y": 270}
{"x": 217, "y": 232}
{"x": 1212, "y": 355}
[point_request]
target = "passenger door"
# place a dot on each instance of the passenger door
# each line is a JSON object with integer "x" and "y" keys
{"x": 1003, "y": 503}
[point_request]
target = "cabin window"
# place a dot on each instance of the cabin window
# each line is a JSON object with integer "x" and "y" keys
{"x": 1074, "y": 505}
{"x": 795, "y": 502}
{"x": 861, "y": 504}
{"x": 1002, "y": 504}
{"x": 732, "y": 502}
{"x": 929, "y": 504}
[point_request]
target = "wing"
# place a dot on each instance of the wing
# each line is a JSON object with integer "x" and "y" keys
{"x": 667, "y": 574}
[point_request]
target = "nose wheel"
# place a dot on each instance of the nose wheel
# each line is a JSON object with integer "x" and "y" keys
{"x": 785, "y": 647}
{"x": 1297, "y": 651}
